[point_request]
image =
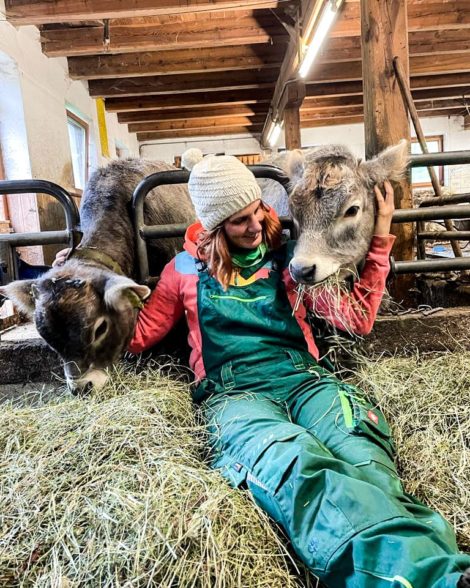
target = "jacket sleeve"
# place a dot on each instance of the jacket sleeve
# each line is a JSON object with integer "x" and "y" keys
{"x": 161, "y": 312}
{"x": 356, "y": 311}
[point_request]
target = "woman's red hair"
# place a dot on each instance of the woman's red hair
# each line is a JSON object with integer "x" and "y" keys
{"x": 213, "y": 247}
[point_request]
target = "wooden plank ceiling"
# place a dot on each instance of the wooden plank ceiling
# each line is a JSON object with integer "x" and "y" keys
{"x": 173, "y": 68}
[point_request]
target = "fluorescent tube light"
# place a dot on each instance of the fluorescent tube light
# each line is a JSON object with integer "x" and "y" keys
{"x": 272, "y": 124}
{"x": 274, "y": 134}
{"x": 326, "y": 20}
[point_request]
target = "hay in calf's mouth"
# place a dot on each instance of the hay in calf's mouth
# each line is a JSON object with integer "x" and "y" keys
{"x": 426, "y": 400}
{"x": 113, "y": 491}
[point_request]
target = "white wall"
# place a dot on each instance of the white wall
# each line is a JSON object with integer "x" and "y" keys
{"x": 457, "y": 178}
{"x": 33, "y": 125}
{"x": 230, "y": 145}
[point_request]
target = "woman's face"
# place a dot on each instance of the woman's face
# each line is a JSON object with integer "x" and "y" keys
{"x": 244, "y": 229}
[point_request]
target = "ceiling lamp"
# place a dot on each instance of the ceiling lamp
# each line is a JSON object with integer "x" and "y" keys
{"x": 326, "y": 20}
{"x": 274, "y": 133}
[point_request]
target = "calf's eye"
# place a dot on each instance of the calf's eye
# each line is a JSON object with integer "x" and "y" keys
{"x": 352, "y": 211}
{"x": 101, "y": 327}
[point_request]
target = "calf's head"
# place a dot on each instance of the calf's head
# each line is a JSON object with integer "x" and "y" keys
{"x": 333, "y": 205}
{"x": 87, "y": 315}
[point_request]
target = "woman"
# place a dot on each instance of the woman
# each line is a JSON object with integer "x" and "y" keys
{"x": 313, "y": 453}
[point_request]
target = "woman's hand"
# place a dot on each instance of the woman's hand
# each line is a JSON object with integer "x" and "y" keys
{"x": 385, "y": 209}
{"x": 61, "y": 257}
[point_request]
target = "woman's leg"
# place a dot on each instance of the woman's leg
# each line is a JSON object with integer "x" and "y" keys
{"x": 347, "y": 530}
{"x": 356, "y": 432}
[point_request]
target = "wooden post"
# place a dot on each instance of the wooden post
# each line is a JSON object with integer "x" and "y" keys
{"x": 291, "y": 102}
{"x": 384, "y": 35}
{"x": 292, "y": 127}
{"x": 466, "y": 122}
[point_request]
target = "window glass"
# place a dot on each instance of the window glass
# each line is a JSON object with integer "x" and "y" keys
{"x": 78, "y": 136}
{"x": 420, "y": 175}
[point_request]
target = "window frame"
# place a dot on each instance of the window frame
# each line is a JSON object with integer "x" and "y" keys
{"x": 4, "y": 208}
{"x": 86, "y": 127}
{"x": 440, "y": 168}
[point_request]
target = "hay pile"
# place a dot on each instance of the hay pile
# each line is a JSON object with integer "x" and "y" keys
{"x": 427, "y": 403}
{"x": 113, "y": 491}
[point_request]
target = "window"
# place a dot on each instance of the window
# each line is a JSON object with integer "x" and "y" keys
{"x": 78, "y": 136}
{"x": 4, "y": 212}
{"x": 420, "y": 177}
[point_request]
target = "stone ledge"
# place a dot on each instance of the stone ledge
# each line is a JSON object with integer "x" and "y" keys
{"x": 25, "y": 357}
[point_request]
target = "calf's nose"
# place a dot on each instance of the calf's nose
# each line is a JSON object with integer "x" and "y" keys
{"x": 81, "y": 389}
{"x": 303, "y": 274}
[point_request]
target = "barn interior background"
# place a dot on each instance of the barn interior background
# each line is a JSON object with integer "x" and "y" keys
{"x": 85, "y": 82}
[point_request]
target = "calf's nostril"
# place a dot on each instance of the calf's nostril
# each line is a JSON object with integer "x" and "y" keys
{"x": 308, "y": 272}
{"x": 86, "y": 389}
{"x": 302, "y": 273}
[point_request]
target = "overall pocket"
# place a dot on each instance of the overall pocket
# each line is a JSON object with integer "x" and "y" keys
{"x": 364, "y": 419}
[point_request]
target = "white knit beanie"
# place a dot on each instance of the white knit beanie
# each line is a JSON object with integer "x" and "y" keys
{"x": 219, "y": 186}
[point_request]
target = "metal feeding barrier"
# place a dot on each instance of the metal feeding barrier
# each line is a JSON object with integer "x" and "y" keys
{"x": 444, "y": 208}
{"x": 144, "y": 232}
{"x": 70, "y": 236}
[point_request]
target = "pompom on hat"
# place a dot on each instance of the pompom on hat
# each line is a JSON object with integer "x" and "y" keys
{"x": 219, "y": 186}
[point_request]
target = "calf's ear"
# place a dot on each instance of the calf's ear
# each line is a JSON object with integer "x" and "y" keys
{"x": 389, "y": 164}
{"x": 119, "y": 291}
{"x": 22, "y": 294}
{"x": 295, "y": 165}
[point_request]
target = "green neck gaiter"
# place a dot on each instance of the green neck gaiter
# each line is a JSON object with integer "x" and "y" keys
{"x": 249, "y": 257}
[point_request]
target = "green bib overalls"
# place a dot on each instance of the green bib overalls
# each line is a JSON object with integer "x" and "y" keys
{"x": 315, "y": 455}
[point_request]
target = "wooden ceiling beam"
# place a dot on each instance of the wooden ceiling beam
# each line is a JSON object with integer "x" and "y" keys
{"x": 207, "y": 99}
{"x": 177, "y": 61}
{"x": 356, "y": 118}
{"x": 419, "y": 66}
{"x": 88, "y": 40}
{"x": 36, "y": 12}
{"x": 449, "y": 84}
{"x": 183, "y": 83}
{"x": 209, "y": 123}
{"x": 219, "y": 112}
{"x": 421, "y": 43}
{"x": 343, "y": 102}
{"x": 422, "y": 16}
{"x": 129, "y": 36}
{"x": 248, "y": 79}
{"x": 328, "y": 122}
{"x": 161, "y": 135}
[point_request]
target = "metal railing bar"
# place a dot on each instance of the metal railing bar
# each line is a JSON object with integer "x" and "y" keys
{"x": 405, "y": 215}
{"x": 443, "y": 158}
{"x": 452, "y": 199}
{"x": 42, "y": 238}
{"x": 429, "y": 265}
{"x": 444, "y": 235}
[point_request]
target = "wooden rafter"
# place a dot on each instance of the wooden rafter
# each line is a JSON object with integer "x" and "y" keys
{"x": 422, "y": 16}
{"x": 203, "y": 82}
{"x": 228, "y": 97}
{"x": 421, "y": 43}
{"x": 173, "y": 68}
{"x": 357, "y": 118}
{"x": 151, "y": 34}
{"x": 177, "y": 61}
{"x": 200, "y": 123}
{"x": 20, "y": 12}
{"x": 159, "y": 135}
{"x": 215, "y": 112}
